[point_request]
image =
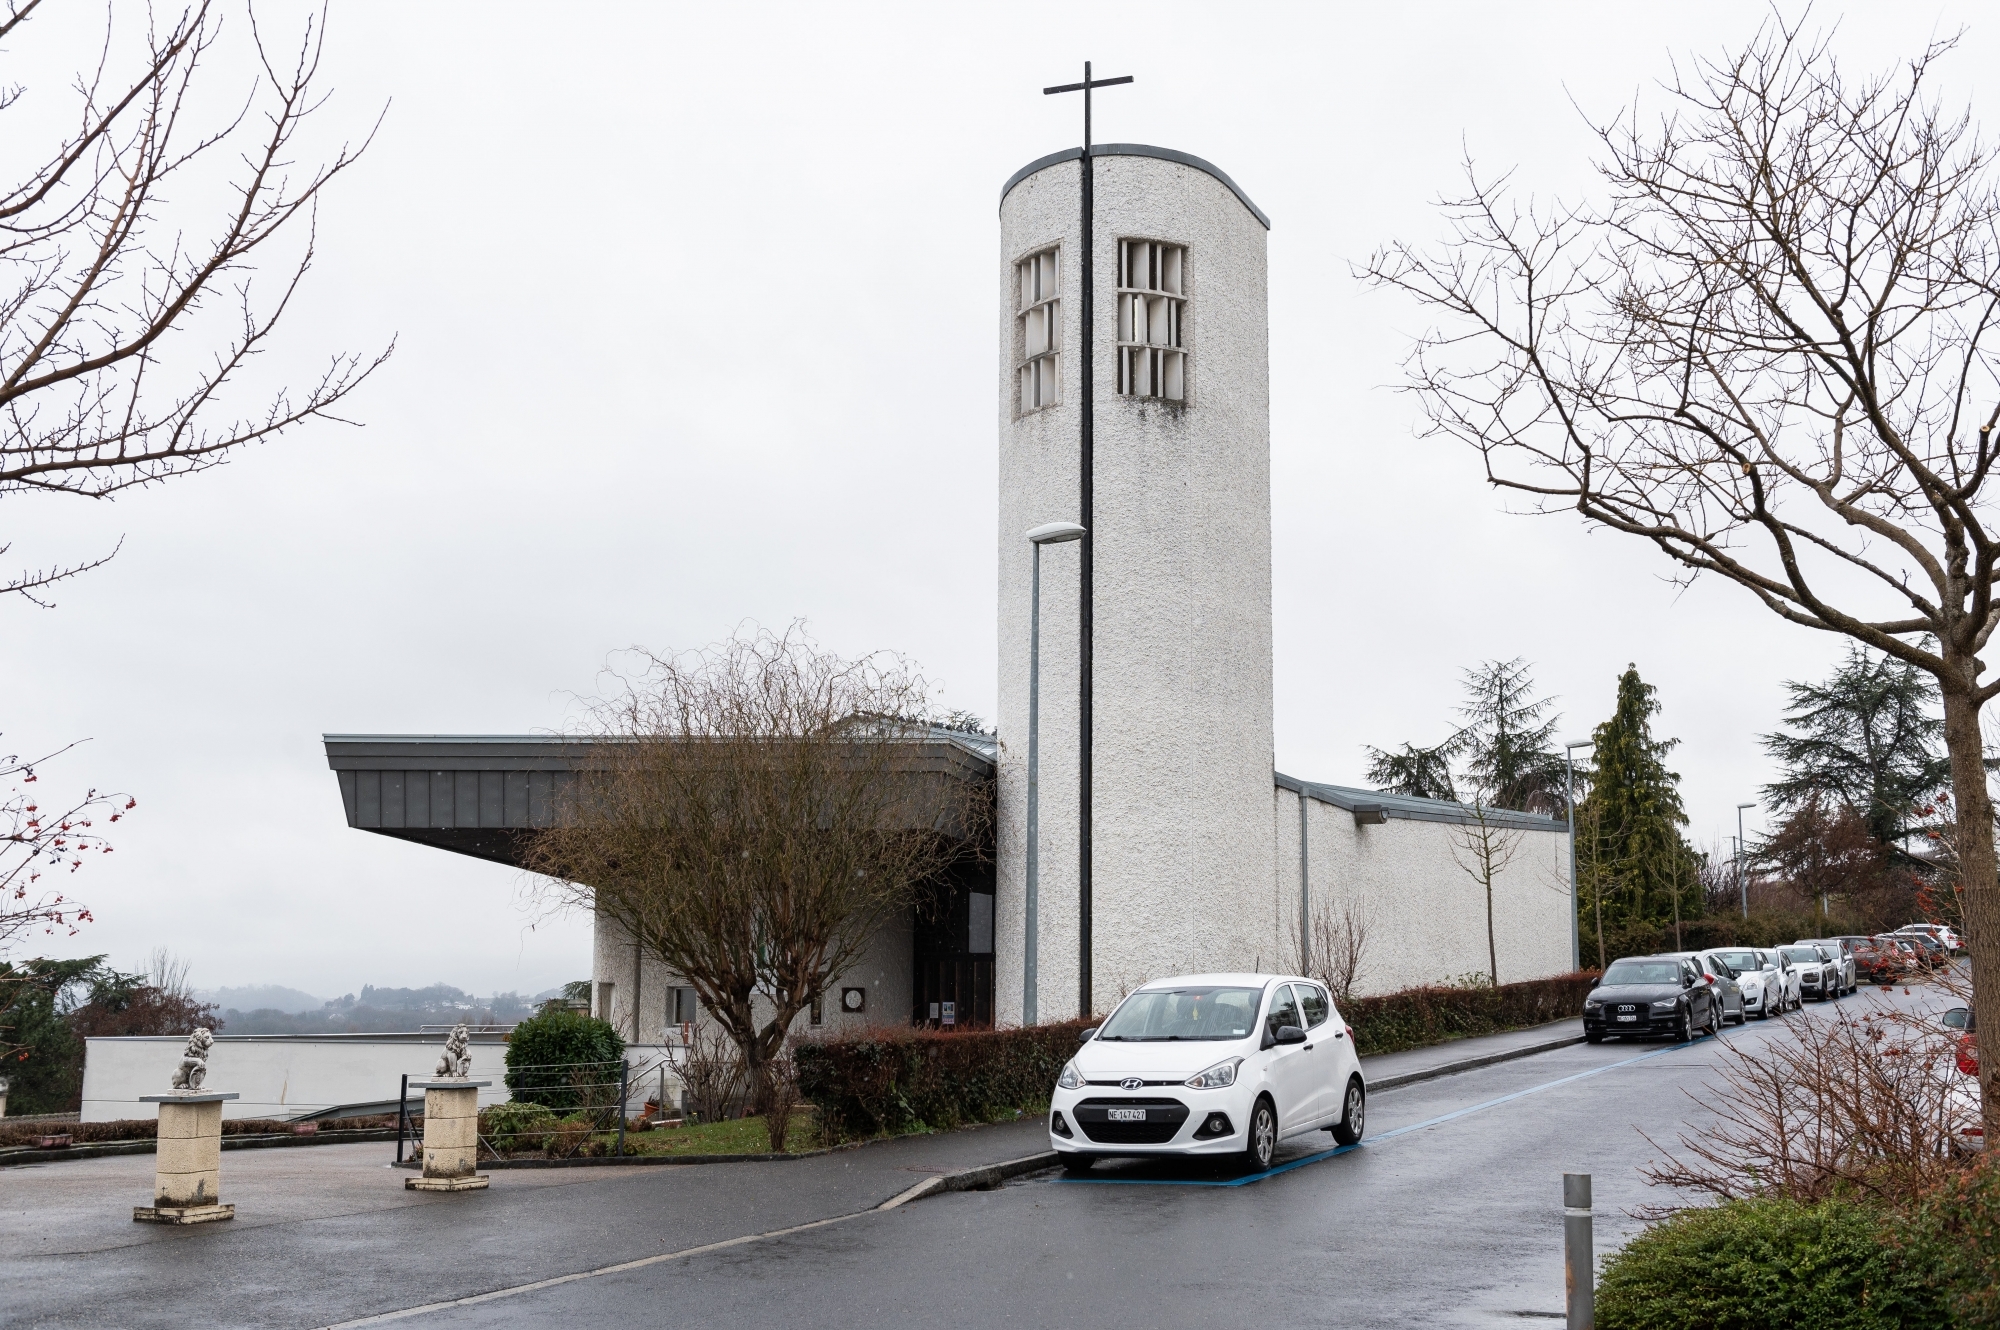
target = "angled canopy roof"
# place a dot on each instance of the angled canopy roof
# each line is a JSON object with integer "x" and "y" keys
{"x": 1414, "y": 809}
{"x": 477, "y": 794}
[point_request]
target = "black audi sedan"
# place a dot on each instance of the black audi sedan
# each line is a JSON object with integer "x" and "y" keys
{"x": 1650, "y": 995}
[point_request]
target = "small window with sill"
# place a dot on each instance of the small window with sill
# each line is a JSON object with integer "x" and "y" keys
{"x": 1152, "y": 319}
{"x": 1040, "y": 316}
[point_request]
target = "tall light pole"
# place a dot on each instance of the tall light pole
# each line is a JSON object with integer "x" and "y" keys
{"x": 1054, "y": 533}
{"x": 1742, "y": 884}
{"x": 1569, "y": 801}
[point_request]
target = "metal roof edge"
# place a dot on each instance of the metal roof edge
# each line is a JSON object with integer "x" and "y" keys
{"x": 1136, "y": 150}
{"x": 1413, "y": 809}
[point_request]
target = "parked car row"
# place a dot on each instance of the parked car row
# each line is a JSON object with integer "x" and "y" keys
{"x": 1679, "y": 993}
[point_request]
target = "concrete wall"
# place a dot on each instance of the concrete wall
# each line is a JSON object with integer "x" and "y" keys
{"x": 277, "y": 1076}
{"x": 1426, "y": 915}
{"x": 883, "y": 970}
{"x": 1182, "y": 751}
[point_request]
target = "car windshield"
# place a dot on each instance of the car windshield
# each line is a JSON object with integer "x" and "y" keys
{"x": 1205, "y": 1012}
{"x": 1804, "y": 955}
{"x": 1739, "y": 960}
{"x": 1643, "y": 972}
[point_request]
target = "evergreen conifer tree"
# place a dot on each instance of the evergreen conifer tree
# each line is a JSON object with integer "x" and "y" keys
{"x": 1640, "y": 862}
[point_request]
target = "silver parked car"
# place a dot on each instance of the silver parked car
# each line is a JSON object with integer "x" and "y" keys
{"x": 1845, "y": 971}
{"x": 1759, "y": 975}
{"x": 1718, "y": 975}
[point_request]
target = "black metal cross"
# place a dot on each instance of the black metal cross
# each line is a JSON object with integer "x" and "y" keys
{"x": 1087, "y": 633}
{"x": 1084, "y": 88}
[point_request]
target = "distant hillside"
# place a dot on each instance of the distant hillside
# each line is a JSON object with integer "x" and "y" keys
{"x": 372, "y": 1011}
{"x": 266, "y": 997}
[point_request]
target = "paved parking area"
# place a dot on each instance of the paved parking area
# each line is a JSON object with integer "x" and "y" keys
{"x": 1448, "y": 1215}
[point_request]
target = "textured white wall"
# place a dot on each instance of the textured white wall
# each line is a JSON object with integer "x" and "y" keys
{"x": 1426, "y": 915}
{"x": 883, "y": 969}
{"x": 1182, "y": 755}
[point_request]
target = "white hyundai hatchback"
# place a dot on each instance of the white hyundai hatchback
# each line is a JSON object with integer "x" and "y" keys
{"x": 1210, "y": 1064}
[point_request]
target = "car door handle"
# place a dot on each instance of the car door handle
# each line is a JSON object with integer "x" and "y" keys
{"x": 1309, "y": 1048}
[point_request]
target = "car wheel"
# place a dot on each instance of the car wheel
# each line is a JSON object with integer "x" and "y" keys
{"x": 1353, "y": 1114}
{"x": 1742, "y": 1014}
{"x": 1590, "y": 1038}
{"x": 1263, "y": 1145}
{"x": 1684, "y": 1033}
{"x": 1077, "y": 1165}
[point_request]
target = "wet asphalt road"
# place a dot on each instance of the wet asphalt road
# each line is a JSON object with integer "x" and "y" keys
{"x": 1452, "y": 1222}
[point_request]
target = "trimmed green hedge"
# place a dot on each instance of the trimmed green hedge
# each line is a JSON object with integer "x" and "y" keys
{"x": 1419, "y": 1017}
{"x": 1758, "y": 1264}
{"x": 893, "y": 1080}
{"x": 563, "y": 1060}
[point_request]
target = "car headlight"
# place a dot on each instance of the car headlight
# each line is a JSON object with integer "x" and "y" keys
{"x": 1216, "y": 1077}
{"x": 1593, "y": 1006}
{"x": 1668, "y": 1005}
{"x": 1071, "y": 1078}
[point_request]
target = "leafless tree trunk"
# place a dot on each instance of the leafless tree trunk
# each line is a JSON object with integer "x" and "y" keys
{"x": 754, "y": 812}
{"x": 1484, "y": 848}
{"x": 93, "y": 398}
{"x": 1768, "y": 351}
{"x": 1334, "y": 947}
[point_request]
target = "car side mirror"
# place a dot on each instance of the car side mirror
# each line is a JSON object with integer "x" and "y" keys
{"x": 1687, "y": 981}
{"x": 1290, "y": 1034}
{"x": 1084, "y": 1037}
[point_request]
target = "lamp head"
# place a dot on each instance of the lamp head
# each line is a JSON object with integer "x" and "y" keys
{"x": 1055, "y": 533}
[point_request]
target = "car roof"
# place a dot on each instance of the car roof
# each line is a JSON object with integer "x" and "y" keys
{"x": 1237, "y": 979}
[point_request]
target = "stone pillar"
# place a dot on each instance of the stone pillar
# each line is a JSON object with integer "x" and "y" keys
{"x": 451, "y": 1137}
{"x": 187, "y": 1181}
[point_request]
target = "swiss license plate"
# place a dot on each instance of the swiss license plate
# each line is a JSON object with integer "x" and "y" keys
{"x": 1628, "y": 1018}
{"x": 1125, "y": 1114}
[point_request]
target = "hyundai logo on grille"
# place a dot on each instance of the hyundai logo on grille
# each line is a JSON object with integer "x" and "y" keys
{"x": 1131, "y": 1083}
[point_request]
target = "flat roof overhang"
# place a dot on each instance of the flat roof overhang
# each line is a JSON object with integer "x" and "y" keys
{"x": 482, "y": 794}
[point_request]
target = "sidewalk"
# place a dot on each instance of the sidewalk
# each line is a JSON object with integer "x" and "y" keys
{"x": 1386, "y": 1071}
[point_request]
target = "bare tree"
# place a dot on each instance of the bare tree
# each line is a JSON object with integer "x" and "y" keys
{"x": 1483, "y": 847}
{"x": 754, "y": 812}
{"x": 1335, "y": 945}
{"x": 1768, "y": 351}
{"x": 94, "y": 396}
{"x": 38, "y": 841}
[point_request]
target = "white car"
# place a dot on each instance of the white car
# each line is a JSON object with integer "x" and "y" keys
{"x": 1842, "y": 956}
{"x": 1944, "y": 935}
{"x": 1819, "y": 977}
{"x": 1214, "y": 1065}
{"x": 1765, "y": 990}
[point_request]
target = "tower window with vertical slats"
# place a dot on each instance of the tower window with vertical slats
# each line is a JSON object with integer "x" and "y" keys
{"x": 1037, "y": 279}
{"x": 1152, "y": 314}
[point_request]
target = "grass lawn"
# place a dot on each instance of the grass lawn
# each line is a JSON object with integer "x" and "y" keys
{"x": 739, "y": 1136}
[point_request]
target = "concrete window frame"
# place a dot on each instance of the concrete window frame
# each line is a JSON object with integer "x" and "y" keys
{"x": 1038, "y": 328}
{"x": 1153, "y": 356}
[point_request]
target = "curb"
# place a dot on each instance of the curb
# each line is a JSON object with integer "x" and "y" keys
{"x": 983, "y": 1178}
{"x": 150, "y": 1145}
{"x": 1469, "y": 1064}
{"x": 634, "y": 1161}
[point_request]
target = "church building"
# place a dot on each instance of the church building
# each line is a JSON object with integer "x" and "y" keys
{"x": 1138, "y": 409}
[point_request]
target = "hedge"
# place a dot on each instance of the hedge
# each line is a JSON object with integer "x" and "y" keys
{"x": 894, "y": 1080}
{"x": 1418, "y": 1017}
{"x": 1757, "y": 1264}
{"x": 563, "y": 1059}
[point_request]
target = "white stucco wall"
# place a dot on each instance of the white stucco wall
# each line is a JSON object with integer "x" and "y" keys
{"x": 1182, "y": 854}
{"x": 1426, "y": 916}
{"x": 883, "y": 969}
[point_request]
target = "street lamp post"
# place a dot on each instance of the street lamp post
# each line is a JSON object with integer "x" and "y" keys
{"x": 1054, "y": 533}
{"x": 1569, "y": 801}
{"x": 1742, "y": 883}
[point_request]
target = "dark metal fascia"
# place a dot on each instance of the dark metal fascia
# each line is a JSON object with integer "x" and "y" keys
{"x": 1411, "y": 809}
{"x": 1136, "y": 150}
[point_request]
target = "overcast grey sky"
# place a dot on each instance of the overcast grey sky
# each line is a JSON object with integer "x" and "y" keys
{"x": 695, "y": 321}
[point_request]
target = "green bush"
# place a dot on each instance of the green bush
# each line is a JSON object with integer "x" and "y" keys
{"x": 563, "y": 1060}
{"x": 517, "y": 1126}
{"x": 1418, "y": 1017}
{"x": 1753, "y": 1265}
{"x": 1961, "y": 1220}
{"x": 892, "y": 1079}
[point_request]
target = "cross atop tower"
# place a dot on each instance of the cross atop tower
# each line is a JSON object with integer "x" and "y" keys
{"x": 1084, "y": 88}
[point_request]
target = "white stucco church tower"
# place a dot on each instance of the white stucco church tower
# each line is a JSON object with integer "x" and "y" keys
{"x": 1183, "y": 845}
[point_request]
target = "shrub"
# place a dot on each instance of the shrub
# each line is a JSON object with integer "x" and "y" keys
{"x": 892, "y": 1079}
{"x": 517, "y": 1126}
{"x": 1755, "y": 1264}
{"x": 1961, "y": 1219}
{"x": 1417, "y": 1017}
{"x": 561, "y": 1059}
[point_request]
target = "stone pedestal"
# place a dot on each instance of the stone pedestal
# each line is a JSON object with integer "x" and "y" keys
{"x": 187, "y": 1179}
{"x": 451, "y": 1137}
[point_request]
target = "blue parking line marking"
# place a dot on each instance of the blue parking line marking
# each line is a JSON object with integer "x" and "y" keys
{"x": 1291, "y": 1164}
